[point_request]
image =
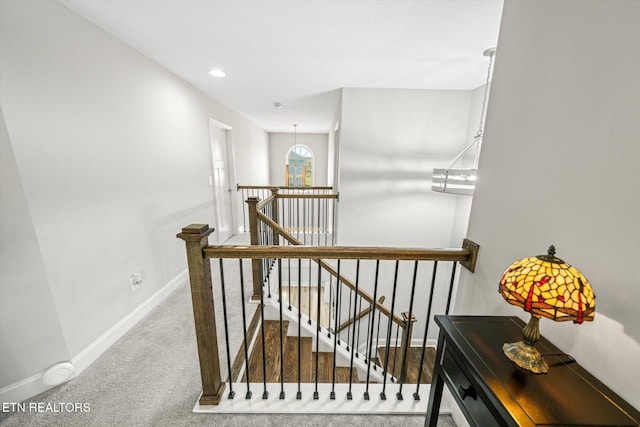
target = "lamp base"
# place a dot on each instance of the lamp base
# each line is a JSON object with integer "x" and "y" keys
{"x": 526, "y": 356}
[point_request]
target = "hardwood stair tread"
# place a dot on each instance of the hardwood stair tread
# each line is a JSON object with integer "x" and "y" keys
{"x": 291, "y": 359}
{"x": 413, "y": 363}
{"x": 325, "y": 370}
{"x": 272, "y": 357}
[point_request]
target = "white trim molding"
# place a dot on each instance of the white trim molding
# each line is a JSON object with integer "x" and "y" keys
{"x": 33, "y": 385}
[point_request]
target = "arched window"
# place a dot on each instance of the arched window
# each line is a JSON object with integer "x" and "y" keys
{"x": 299, "y": 169}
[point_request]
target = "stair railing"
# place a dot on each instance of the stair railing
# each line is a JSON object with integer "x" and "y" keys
{"x": 199, "y": 253}
{"x": 265, "y": 230}
{"x": 295, "y": 210}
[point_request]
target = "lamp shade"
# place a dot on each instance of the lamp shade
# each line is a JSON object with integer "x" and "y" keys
{"x": 546, "y": 286}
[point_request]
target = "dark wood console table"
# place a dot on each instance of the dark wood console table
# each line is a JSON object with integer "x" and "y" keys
{"x": 491, "y": 391}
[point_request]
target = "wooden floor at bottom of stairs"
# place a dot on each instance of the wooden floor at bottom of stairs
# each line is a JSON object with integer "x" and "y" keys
{"x": 324, "y": 404}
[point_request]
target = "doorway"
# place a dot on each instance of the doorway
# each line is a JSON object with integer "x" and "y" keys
{"x": 222, "y": 178}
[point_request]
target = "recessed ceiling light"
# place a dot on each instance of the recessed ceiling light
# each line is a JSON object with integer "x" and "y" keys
{"x": 217, "y": 73}
{"x": 277, "y": 104}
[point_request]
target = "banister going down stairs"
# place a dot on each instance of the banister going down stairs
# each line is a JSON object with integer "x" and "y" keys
{"x": 378, "y": 363}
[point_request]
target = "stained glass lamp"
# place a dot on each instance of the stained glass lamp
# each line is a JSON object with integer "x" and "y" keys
{"x": 545, "y": 286}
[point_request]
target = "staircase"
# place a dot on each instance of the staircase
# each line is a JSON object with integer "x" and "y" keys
{"x": 290, "y": 354}
{"x": 304, "y": 347}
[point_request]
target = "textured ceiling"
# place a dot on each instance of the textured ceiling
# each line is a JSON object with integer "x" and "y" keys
{"x": 301, "y": 52}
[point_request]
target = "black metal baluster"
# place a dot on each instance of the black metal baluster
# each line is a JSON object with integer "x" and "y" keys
{"x": 299, "y": 394}
{"x": 310, "y": 287}
{"x": 338, "y": 314}
{"x": 349, "y": 319}
{"x": 265, "y": 393}
{"x": 226, "y": 329}
{"x": 453, "y": 276}
{"x": 281, "y": 327}
{"x": 244, "y": 331}
{"x": 266, "y": 261}
{"x": 375, "y": 367}
{"x": 366, "y": 347}
{"x": 359, "y": 319}
{"x": 416, "y": 395}
{"x": 373, "y": 317}
{"x": 353, "y": 338}
{"x": 383, "y": 395}
{"x": 409, "y": 325}
{"x": 332, "y": 395}
{"x": 395, "y": 356}
{"x": 244, "y": 210}
{"x": 330, "y": 305}
{"x": 316, "y": 396}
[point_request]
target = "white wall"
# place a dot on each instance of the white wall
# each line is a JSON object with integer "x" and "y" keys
{"x": 281, "y": 143}
{"x": 463, "y": 203}
{"x": 113, "y": 153}
{"x": 560, "y": 166}
{"x": 25, "y": 296}
{"x": 390, "y": 141}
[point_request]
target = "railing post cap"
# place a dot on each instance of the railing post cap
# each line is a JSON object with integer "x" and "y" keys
{"x": 195, "y": 232}
{"x": 253, "y": 199}
{"x": 405, "y": 316}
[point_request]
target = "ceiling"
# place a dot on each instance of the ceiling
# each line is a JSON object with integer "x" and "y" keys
{"x": 301, "y": 52}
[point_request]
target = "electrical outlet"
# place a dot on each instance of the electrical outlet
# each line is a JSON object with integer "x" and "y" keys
{"x": 135, "y": 280}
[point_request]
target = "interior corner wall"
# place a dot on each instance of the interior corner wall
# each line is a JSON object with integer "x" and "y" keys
{"x": 560, "y": 166}
{"x": 463, "y": 203}
{"x": 113, "y": 153}
{"x": 334, "y": 148}
{"x": 391, "y": 139}
{"x": 28, "y": 317}
{"x": 281, "y": 143}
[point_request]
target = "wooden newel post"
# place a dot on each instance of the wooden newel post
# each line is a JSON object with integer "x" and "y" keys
{"x": 405, "y": 344}
{"x": 256, "y": 265}
{"x": 196, "y": 238}
{"x": 274, "y": 209}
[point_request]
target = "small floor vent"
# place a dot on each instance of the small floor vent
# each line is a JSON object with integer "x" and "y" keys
{"x": 58, "y": 374}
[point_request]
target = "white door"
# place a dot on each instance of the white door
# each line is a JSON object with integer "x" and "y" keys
{"x": 221, "y": 181}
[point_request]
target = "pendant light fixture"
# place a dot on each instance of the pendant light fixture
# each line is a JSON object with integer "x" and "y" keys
{"x": 462, "y": 181}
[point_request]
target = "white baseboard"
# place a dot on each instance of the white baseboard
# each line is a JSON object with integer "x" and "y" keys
{"x": 89, "y": 355}
{"x": 324, "y": 404}
{"x": 29, "y": 387}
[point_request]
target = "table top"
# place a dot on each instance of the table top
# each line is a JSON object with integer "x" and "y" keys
{"x": 566, "y": 395}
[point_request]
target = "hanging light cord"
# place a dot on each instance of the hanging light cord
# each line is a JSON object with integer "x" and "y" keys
{"x": 490, "y": 53}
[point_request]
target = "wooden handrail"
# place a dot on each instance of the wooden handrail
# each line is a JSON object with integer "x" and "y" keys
{"x": 308, "y": 196}
{"x": 335, "y": 252}
{"x": 198, "y": 252}
{"x": 359, "y": 315}
{"x": 280, "y": 187}
{"x": 330, "y": 254}
{"x": 262, "y": 203}
{"x": 347, "y": 252}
